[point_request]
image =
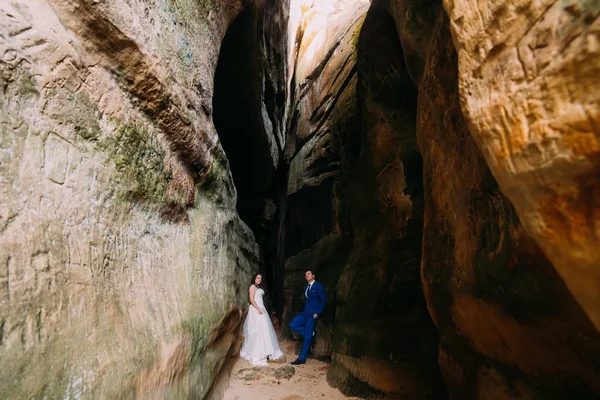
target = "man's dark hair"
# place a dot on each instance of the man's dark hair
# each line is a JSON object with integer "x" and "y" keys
{"x": 309, "y": 270}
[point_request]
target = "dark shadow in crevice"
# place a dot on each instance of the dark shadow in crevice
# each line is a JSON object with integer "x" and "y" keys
{"x": 384, "y": 299}
{"x": 237, "y": 105}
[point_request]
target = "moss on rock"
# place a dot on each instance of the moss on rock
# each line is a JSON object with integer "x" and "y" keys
{"x": 139, "y": 163}
{"x": 217, "y": 183}
{"x": 27, "y": 84}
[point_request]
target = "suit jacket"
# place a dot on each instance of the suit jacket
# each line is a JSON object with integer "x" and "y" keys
{"x": 315, "y": 301}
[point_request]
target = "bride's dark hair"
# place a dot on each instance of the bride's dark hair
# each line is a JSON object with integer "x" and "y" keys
{"x": 254, "y": 281}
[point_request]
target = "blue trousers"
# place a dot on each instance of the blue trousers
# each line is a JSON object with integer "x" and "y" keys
{"x": 304, "y": 325}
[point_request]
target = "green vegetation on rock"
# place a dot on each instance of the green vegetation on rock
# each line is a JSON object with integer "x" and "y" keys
{"x": 139, "y": 163}
{"x": 78, "y": 109}
{"x": 88, "y": 128}
{"x": 27, "y": 84}
{"x": 217, "y": 183}
{"x": 356, "y": 33}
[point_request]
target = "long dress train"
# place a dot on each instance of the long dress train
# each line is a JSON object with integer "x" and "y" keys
{"x": 260, "y": 339}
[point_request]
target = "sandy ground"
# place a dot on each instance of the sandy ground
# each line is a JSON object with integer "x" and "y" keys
{"x": 308, "y": 382}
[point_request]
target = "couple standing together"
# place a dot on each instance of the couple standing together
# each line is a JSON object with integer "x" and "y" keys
{"x": 260, "y": 342}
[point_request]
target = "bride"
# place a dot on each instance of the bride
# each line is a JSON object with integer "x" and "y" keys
{"x": 260, "y": 341}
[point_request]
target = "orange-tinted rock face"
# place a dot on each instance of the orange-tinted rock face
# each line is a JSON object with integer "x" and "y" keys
{"x": 528, "y": 84}
{"x": 322, "y": 124}
{"x": 355, "y": 215}
{"x": 384, "y": 340}
{"x": 508, "y": 326}
{"x": 438, "y": 169}
{"x": 123, "y": 262}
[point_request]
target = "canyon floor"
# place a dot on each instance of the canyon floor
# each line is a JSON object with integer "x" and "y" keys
{"x": 308, "y": 382}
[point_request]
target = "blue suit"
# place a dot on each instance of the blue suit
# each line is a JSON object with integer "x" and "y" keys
{"x": 304, "y": 323}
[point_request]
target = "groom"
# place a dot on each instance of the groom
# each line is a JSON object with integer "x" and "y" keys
{"x": 304, "y": 323}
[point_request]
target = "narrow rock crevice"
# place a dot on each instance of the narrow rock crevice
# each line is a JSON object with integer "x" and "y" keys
{"x": 438, "y": 177}
{"x": 238, "y": 118}
{"x": 382, "y": 319}
{"x": 487, "y": 282}
{"x": 249, "y": 106}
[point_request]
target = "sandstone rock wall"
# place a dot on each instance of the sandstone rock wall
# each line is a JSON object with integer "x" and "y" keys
{"x": 508, "y": 326}
{"x": 354, "y": 217}
{"x": 321, "y": 124}
{"x": 124, "y": 265}
{"x": 502, "y": 185}
{"x": 528, "y": 84}
{"x": 384, "y": 340}
{"x": 249, "y": 114}
{"x": 432, "y": 161}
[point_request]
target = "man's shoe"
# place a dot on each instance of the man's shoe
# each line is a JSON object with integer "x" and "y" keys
{"x": 298, "y": 362}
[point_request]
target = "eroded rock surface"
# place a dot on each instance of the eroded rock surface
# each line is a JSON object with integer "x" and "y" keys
{"x": 124, "y": 262}
{"x": 384, "y": 340}
{"x": 436, "y": 166}
{"x": 528, "y": 83}
{"x": 355, "y": 212}
{"x": 492, "y": 104}
{"x": 323, "y": 101}
{"x": 496, "y": 299}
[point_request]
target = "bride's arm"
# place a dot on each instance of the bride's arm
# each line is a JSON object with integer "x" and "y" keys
{"x": 252, "y": 292}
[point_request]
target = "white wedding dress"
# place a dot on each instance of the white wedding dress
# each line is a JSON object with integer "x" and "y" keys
{"x": 260, "y": 339}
